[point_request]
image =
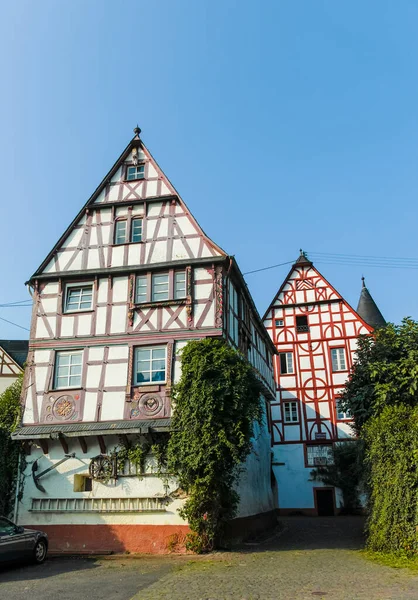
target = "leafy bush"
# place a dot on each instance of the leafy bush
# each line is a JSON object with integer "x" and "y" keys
{"x": 10, "y": 450}
{"x": 392, "y": 458}
{"x": 215, "y": 405}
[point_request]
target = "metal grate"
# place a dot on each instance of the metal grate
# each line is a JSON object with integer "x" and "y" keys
{"x": 98, "y": 505}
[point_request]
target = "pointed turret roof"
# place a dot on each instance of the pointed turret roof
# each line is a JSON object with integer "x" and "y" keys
{"x": 368, "y": 310}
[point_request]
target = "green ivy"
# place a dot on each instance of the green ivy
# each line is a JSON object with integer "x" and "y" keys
{"x": 10, "y": 450}
{"x": 215, "y": 404}
{"x": 392, "y": 459}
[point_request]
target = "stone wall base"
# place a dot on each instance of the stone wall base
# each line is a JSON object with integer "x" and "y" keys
{"x": 105, "y": 539}
{"x": 144, "y": 539}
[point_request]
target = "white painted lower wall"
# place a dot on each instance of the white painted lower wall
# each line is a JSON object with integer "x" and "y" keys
{"x": 295, "y": 490}
{"x": 59, "y": 483}
{"x": 254, "y": 486}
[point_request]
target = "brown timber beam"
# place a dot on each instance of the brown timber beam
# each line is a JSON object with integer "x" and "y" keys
{"x": 102, "y": 444}
{"x": 83, "y": 444}
{"x": 44, "y": 445}
{"x": 64, "y": 444}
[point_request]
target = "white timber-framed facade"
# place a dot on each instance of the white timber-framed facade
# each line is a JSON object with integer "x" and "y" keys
{"x": 315, "y": 332}
{"x": 130, "y": 282}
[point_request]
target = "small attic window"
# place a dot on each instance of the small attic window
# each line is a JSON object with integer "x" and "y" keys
{"x": 135, "y": 172}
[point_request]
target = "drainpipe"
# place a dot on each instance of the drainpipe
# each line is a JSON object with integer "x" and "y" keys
{"x": 16, "y": 508}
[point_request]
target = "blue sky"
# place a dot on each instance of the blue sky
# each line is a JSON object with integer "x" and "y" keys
{"x": 283, "y": 125}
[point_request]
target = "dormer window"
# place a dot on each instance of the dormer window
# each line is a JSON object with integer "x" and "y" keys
{"x": 135, "y": 172}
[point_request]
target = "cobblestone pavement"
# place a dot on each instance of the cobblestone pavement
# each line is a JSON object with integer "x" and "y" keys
{"x": 311, "y": 558}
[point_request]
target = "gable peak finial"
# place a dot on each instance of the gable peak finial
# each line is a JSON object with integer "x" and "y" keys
{"x": 363, "y": 282}
{"x": 137, "y": 130}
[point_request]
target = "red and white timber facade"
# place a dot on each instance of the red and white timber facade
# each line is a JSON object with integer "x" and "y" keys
{"x": 130, "y": 282}
{"x": 315, "y": 333}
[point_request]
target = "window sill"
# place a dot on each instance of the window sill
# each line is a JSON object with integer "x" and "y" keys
{"x": 341, "y": 371}
{"x": 148, "y": 384}
{"x": 77, "y": 312}
{"x": 127, "y": 244}
{"x": 63, "y": 390}
{"x": 156, "y": 303}
{"x": 136, "y": 179}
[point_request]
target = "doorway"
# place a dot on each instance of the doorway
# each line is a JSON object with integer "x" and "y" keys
{"x": 324, "y": 502}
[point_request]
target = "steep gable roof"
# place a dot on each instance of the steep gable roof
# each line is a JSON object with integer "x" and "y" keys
{"x": 287, "y": 295}
{"x": 116, "y": 190}
{"x": 17, "y": 350}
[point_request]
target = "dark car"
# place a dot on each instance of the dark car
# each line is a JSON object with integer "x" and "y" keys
{"x": 17, "y": 543}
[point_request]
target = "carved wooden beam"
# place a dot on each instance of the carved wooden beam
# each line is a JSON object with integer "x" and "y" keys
{"x": 44, "y": 445}
{"x": 64, "y": 444}
{"x": 83, "y": 444}
{"x": 102, "y": 444}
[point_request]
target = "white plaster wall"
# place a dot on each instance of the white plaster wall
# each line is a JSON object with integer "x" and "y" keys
{"x": 6, "y": 382}
{"x": 295, "y": 491}
{"x": 254, "y": 486}
{"x": 60, "y": 484}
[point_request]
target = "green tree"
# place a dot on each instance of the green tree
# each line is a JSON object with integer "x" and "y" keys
{"x": 215, "y": 405}
{"x": 9, "y": 450}
{"x": 385, "y": 372}
{"x": 345, "y": 473}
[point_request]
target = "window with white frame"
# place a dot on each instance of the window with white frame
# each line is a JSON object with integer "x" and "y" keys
{"x": 121, "y": 232}
{"x": 338, "y": 359}
{"x": 68, "y": 366}
{"x": 160, "y": 287}
{"x": 135, "y": 172}
{"x": 78, "y": 297}
{"x": 128, "y": 231}
{"x": 164, "y": 286}
{"x": 341, "y": 414}
{"x": 150, "y": 365}
{"x": 286, "y": 363}
{"x": 136, "y": 230}
{"x": 290, "y": 411}
{"x": 179, "y": 284}
{"x": 141, "y": 286}
{"x": 279, "y": 323}
{"x": 319, "y": 454}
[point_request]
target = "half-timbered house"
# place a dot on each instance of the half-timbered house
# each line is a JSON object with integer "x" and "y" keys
{"x": 315, "y": 332}
{"x": 13, "y": 355}
{"x": 132, "y": 279}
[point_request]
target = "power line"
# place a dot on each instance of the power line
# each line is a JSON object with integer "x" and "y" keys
{"x": 271, "y": 267}
{"x": 15, "y": 324}
{"x": 16, "y": 303}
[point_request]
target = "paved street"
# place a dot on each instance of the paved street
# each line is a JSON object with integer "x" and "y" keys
{"x": 311, "y": 558}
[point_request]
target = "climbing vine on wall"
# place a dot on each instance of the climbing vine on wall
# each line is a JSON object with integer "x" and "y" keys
{"x": 392, "y": 460}
{"x": 215, "y": 405}
{"x": 137, "y": 452}
{"x": 10, "y": 450}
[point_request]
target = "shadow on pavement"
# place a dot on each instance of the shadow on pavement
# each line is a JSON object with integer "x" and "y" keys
{"x": 312, "y": 533}
{"x": 52, "y": 566}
